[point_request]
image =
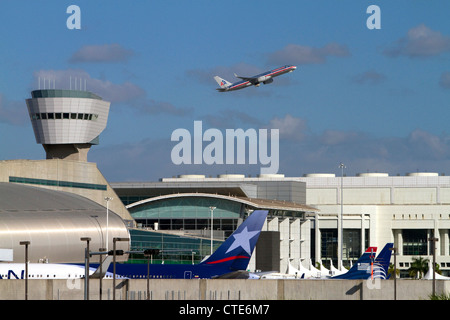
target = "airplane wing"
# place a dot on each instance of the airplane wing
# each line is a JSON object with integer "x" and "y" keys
{"x": 252, "y": 80}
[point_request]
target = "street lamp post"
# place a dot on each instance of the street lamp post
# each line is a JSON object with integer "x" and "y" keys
{"x": 433, "y": 241}
{"x": 341, "y": 231}
{"x": 394, "y": 251}
{"x": 212, "y": 212}
{"x": 26, "y": 244}
{"x": 149, "y": 253}
{"x": 114, "y": 263}
{"x": 101, "y": 270}
{"x": 108, "y": 199}
{"x": 86, "y": 268}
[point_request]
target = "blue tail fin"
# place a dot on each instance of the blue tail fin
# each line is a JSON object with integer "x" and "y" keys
{"x": 381, "y": 264}
{"x": 362, "y": 268}
{"x": 236, "y": 251}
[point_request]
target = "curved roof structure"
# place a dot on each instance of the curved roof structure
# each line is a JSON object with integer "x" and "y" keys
{"x": 54, "y": 222}
{"x": 253, "y": 203}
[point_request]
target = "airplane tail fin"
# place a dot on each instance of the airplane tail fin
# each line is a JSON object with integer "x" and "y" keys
{"x": 381, "y": 263}
{"x": 222, "y": 82}
{"x": 236, "y": 251}
{"x": 361, "y": 269}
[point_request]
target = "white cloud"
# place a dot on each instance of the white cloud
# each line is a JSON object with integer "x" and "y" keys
{"x": 444, "y": 80}
{"x": 420, "y": 42}
{"x": 125, "y": 93}
{"x": 13, "y": 112}
{"x": 300, "y": 152}
{"x": 370, "y": 77}
{"x": 80, "y": 79}
{"x": 298, "y": 54}
{"x": 290, "y": 127}
{"x": 101, "y": 53}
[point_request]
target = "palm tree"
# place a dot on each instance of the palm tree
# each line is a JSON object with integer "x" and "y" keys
{"x": 391, "y": 271}
{"x": 418, "y": 268}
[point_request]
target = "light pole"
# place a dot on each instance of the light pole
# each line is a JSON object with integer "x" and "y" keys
{"x": 101, "y": 271}
{"x": 212, "y": 212}
{"x": 26, "y": 244}
{"x": 114, "y": 262}
{"x": 433, "y": 241}
{"x": 149, "y": 253}
{"x": 108, "y": 199}
{"x": 394, "y": 251}
{"x": 86, "y": 268}
{"x": 341, "y": 231}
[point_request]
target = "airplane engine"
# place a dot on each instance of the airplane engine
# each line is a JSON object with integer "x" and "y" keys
{"x": 268, "y": 81}
{"x": 263, "y": 79}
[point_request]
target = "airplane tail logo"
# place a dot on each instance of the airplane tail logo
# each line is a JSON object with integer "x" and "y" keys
{"x": 361, "y": 269}
{"x": 368, "y": 266}
{"x": 222, "y": 82}
{"x": 381, "y": 263}
{"x": 236, "y": 251}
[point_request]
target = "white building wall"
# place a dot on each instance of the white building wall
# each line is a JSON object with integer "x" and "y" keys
{"x": 390, "y": 204}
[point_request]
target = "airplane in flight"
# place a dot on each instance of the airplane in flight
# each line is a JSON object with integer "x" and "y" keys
{"x": 232, "y": 255}
{"x": 266, "y": 78}
{"x": 370, "y": 267}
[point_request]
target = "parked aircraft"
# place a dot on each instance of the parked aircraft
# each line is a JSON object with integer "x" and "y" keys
{"x": 265, "y": 77}
{"x": 233, "y": 255}
{"x": 368, "y": 266}
{"x": 53, "y": 271}
{"x": 313, "y": 273}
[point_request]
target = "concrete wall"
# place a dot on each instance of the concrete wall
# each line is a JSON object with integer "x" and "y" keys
{"x": 221, "y": 289}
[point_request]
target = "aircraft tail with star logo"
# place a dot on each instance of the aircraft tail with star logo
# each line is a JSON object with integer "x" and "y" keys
{"x": 236, "y": 251}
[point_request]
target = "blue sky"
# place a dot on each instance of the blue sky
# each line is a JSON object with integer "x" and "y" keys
{"x": 377, "y": 100}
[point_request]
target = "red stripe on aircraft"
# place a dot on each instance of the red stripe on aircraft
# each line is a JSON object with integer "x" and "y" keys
{"x": 228, "y": 259}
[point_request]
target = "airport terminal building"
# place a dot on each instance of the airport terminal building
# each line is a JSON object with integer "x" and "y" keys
{"x": 312, "y": 218}
{"x": 306, "y": 213}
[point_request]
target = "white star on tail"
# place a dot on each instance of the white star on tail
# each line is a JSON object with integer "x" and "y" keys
{"x": 242, "y": 240}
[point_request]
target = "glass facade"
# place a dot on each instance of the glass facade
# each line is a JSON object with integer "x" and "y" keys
{"x": 58, "y": 183}
{"x": 351, "y": 249}
{"x": 61, "y": 93}
{"x": 189, "y": 213}
{"x": 414, "y": 242}
{"x": 329, "y": 245}
{"x": 174, "y": 249}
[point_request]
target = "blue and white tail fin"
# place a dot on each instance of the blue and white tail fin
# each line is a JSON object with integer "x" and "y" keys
{"x": 382, "y": 261}
{"x": 236, "y": 251}
{"x": 362, "y": 268}
{"x": 224, "y": 84}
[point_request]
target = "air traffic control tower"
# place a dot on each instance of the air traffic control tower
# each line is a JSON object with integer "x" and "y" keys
{"x": 67, "y": 122}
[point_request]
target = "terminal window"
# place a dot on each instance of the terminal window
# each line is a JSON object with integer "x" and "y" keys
{"x": 65, "y": 115}
{"x": 414, "y": 242}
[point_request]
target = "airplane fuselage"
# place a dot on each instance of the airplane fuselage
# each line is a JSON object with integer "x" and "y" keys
{"x": 265, "y": 77}
{"x": 232, "y": 255}
{"x": 123, "y": 270}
